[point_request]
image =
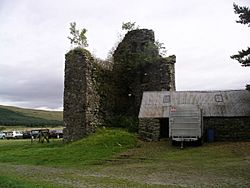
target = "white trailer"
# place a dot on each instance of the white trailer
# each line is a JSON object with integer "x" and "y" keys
{"x": 185, "y": 123}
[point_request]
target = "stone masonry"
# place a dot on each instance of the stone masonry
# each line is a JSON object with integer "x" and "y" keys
{"x": 80, "y": 98}
{"x": 228, "y": 128}
{"x": 149, "y": 129}
{"x": 137, "y": 67}
{"x": 137, "y": 57}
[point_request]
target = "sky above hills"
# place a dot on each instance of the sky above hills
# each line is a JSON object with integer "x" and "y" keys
{"x": 33, "y": 41}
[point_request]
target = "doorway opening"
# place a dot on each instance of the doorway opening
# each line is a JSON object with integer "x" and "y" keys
{"x": 164, "y": 127}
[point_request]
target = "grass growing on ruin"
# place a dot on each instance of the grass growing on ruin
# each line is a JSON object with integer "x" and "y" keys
{"x": 91, "y": 150}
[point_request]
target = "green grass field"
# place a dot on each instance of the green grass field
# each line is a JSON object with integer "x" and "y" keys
{"x": 13, "y": 116}
{"x": 115, "y": 158}
{"x": 92, "y": 150}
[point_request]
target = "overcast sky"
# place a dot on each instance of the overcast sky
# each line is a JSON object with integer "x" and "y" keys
{"x": 33, "y": 41}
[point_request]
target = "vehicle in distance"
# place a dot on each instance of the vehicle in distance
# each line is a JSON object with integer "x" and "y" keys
{"x": 14, "y": 134}
{"x": 26, "y": 134}
{"x": 56, "y": 133}
{"x": 2, "y": 135}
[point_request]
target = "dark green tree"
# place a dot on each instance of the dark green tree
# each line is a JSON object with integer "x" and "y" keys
{"x": 243, "y": 56}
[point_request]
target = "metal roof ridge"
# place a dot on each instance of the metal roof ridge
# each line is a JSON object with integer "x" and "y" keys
{"x": 211, "y": 90}
{"x": 201, "y": 91}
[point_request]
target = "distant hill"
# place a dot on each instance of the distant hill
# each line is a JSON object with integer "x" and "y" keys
{"x": 13, "y": 116}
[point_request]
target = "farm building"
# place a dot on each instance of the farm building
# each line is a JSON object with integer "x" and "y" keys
{"x": 227, "y": 113}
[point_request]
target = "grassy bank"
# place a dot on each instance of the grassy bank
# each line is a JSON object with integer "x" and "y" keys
{"x": 92, "y": 150}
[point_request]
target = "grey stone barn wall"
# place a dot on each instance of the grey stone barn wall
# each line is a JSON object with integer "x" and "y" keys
{"x": 225, "y": 128}
{"x": 80, "y": 97}
{"x": 149, "y": 129}
{"x": 228, "y": 128}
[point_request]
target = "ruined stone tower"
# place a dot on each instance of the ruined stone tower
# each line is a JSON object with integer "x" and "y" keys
{"x": 93, "y": 93}
{"x": 80, "y": 98}
{"x": 138, "y": 67}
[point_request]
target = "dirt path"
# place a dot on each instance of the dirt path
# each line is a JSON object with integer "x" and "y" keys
{"x": 93, "y": 177}
{"x": 124, "y": 174}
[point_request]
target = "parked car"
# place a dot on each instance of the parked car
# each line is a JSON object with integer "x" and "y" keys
{"x": 34, "y": 133}
{"x": 14, "y": 134}
{"x": 56, "y": 133}
{"x": 26, "y": 134}
{"x": 2, "y": 135}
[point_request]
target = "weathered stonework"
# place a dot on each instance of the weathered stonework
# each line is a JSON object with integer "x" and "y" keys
{"x": 159, "y": 75}
{"x": 224, "y": 128}
{"x": 228, "y": 128}
{"x": 137, "y": 57}
{"x": 80, "y": 98}
{"x": 149, "y": 129}
{"x": 94, "y": 90}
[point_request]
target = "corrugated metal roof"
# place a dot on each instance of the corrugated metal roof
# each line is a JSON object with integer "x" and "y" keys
{"x": 228, "y": 103}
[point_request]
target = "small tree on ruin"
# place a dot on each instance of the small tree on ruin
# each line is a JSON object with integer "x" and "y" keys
{"x": 78, "y": 37}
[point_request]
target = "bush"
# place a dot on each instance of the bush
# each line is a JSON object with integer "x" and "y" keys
{"x": 128, "y": 122}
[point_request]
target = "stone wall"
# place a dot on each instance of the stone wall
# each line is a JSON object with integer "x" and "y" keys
{"x": 159, "y": 75}
{"x": 225, "y": 128}
{"x": 80, "y": 98}
{"x": 228, "y": 128}
{"x": 149, "y": 129}
{"x": 94, "y": 92}
{"x": 138, "y": 67}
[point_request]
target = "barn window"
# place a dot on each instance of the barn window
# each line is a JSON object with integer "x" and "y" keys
{"x": 218, "y": 98}
{"x": 166, "y": 99}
